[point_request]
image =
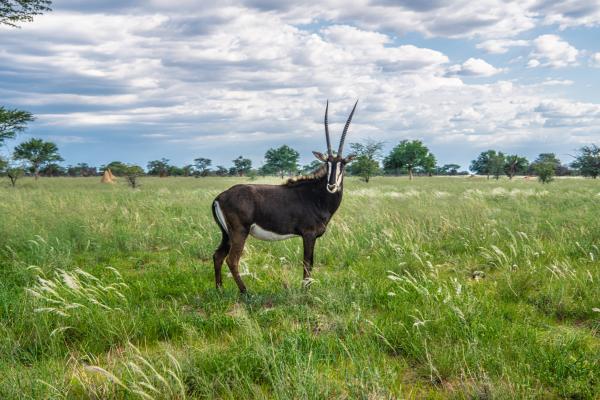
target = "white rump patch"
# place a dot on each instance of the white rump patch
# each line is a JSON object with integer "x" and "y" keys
{"x": 263, "y": 234}
{"x": 220, "y": 216}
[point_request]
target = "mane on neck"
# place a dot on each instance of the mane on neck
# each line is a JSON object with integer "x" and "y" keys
{"x": 315, "y": 175}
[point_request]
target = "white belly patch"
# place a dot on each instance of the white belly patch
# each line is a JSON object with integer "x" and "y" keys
{"x": 263, "y": 234}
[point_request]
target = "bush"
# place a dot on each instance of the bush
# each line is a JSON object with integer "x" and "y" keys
{"x": 545, "y": 171}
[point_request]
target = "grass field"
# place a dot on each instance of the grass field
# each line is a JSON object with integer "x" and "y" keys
{"x": 436, "y": 288}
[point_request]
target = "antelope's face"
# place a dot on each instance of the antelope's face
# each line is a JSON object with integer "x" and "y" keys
{"x": 337, "y": 163}
{"x": 335, "y": 170}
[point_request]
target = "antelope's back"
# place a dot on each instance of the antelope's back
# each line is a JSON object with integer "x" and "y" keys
{"x": 267, "y": 205}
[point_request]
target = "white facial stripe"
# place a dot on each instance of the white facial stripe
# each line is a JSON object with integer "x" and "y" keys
{"x": 335, "y": 187}
{"x": 338, "y": 174}
{"x": 263, "y": 234}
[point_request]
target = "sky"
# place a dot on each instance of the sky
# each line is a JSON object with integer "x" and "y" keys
{"x": 138, "y": 80}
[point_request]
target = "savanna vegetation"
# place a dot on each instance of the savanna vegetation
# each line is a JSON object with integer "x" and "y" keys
{"x": 433, "y": 288}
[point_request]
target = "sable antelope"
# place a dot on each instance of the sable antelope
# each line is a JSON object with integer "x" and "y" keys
{"x": 301, "y": 207}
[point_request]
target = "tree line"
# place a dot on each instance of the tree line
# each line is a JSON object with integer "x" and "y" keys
{"x": 409, "y": 157}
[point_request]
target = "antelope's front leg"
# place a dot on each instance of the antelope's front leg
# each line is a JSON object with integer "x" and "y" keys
{"x": 309, "y": 250}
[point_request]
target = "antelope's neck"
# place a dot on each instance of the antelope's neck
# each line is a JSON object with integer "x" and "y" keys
{"x": 331, "y": 201}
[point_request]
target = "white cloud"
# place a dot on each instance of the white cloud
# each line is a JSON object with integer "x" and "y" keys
{"x": 595, "y": 60}
{"x": 230, "y": 74}
{"x": 552, "y": 51}
{"x": 569, "y": 13}
{"x": 350, "y": 36}
{"x": 561, "y": 113}
{"x": 475, "y": 67}
{"x": 491, "y": 19}
{"x": 557, "y": 82}
{"x": 366, "y": 47}
{"x": 500, "y": 46}
{"x": 64, "y": 139}
{"x": 468, "y": 114}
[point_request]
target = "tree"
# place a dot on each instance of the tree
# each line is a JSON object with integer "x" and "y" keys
{"x": 118, "y": 168}
{"x": 449, "y": 169}
{"x": 11, "y": 171}
{"x": 549, "y": 158}
{"x": 241, "y": 166}
{"x": 202, "y": 165}
{"x": 82, "y": 169}
{"x": 545, "y": 171}
{"x": 53, "y": 169}
{"x": 12, "y": 121}
{"x": 428, "y": 164}
{"x": 366, "y": 162}
{"x": 38, "y": 153}
{"x": 281, "y": 161}
{"x": 132, "y": 172}
{"x": 564, "y": 170}
{"x": 175, "y": 171}
{"x": 159, "y": 167}
{"x": 588, "y": 161}
{"x": 14, "y": 173}
{"x": 312, "y": 166}
{"x": 496, "y": 165}
{"x": 407, "y": 155}
{"x": 515, "y": 164}
{"x": 488, "y": 163}
{"x": 221, "y": 171}
{"x": 545, "y": 166}
{"x": 14, "y": 11}
{"x": 252, "y": 174}
{"x": 188, "y": 170}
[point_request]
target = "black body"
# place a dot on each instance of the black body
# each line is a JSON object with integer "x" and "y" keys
{"x": 298, "y": 208}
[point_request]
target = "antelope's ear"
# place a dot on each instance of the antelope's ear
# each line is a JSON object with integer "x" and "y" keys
{"x": 349, "y": 158}
{"x": 320, "y": 156}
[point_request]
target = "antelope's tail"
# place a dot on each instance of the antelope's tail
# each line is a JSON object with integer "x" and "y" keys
{"x": 220, "y": 217}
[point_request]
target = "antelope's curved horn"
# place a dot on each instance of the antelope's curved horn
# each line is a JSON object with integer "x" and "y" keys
{"x": 339, "y": 153}
{"x": 327, "y": 130}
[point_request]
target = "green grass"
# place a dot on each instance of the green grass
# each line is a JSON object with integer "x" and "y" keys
{"x": 436, "y": 288}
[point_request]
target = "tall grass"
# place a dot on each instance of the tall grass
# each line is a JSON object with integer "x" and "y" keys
{"x": 436, "y": 288}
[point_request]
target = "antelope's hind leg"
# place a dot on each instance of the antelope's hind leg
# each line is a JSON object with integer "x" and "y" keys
{"x": 219, "y": 257}
{"x": 237, "y": 241}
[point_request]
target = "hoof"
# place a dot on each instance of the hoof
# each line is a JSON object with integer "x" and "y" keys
{"x": 307, "y": 282}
